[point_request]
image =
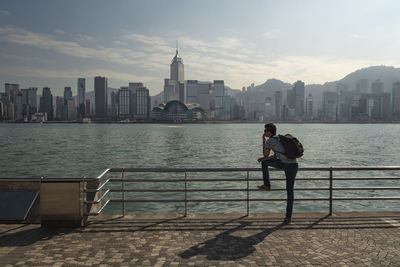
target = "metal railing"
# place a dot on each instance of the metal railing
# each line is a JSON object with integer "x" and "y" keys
{"x": 245, "y": 180}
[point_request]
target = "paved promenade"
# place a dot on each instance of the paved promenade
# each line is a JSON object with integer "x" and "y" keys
{"x": 344, "y": 239}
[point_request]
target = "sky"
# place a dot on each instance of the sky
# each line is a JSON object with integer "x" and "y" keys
{"x": 53, "y": 42}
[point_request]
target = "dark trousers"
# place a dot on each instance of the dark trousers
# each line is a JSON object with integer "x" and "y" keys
{"x": 290, "y": 170}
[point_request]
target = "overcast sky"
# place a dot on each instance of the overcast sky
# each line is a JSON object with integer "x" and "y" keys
{"x": 52, "y": 42}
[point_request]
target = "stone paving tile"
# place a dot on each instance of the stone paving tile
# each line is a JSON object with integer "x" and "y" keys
{"x": 344, "y": 239}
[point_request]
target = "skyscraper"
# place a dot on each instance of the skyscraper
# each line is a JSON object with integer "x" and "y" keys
{"x": 12, "y": 89}
{"x": 299, "y": 96}
{"x": 81, "y": 97}
{"x": 174, "y": 87}
{"x": 278, "y": 105}
{"x": 67, "y": 94}
{"x": 100, "y": 92}
{"x": 46, "y": 103}
{"x": 124, "y": 107}
{"x": 396, "y": 99}
{"x": 177, "y": 69}
{"x": 142, "y": 104}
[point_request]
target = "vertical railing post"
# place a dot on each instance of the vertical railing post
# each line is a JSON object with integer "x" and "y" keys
{"x": 84, "y": 197}
{"x": 185, "y": 193}
{"x": 330, "y": 190}
{"x": 123, "y": 193}
{"x": 247, "y": 191}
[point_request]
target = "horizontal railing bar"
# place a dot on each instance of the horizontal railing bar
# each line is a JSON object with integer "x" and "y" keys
{"x": 245, "y": 190}
{"x": 252, "y": 199}
{"x": 98, "y": 200}
{"x": 208, "y": 180}
{"x": 20, "y": 179}
{"x": 365, "y": 178}
{"x": 207, "y": 190}
{"x": 215, "y": 200}
{"x": 98, "y": 188}
{"x": 99, "y": 211}
{"x": 355, "y": 168}
{"x": 365, "y": 188}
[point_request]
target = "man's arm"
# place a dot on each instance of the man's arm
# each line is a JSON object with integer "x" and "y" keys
{"x": 266, "y": 153}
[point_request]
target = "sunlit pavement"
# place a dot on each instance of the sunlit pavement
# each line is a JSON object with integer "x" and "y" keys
{"x": 344, "y": 239}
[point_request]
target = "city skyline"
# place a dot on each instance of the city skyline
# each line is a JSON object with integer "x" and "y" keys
{"x": 224, "y": 40}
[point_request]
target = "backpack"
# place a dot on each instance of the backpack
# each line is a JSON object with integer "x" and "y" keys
{"x": 293, "y": 147}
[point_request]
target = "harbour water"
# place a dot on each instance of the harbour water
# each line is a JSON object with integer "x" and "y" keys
{"x": 76, "y": 150}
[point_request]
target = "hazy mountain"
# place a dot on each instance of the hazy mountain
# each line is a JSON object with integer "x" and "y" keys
{"x": 387, "y": 75}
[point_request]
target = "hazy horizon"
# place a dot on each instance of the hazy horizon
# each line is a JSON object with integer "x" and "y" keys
{"x": 52, "y": 43}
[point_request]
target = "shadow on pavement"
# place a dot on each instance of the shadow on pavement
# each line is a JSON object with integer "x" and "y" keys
{"x": 225, "y": 246}
{"x": 30, "y": 236}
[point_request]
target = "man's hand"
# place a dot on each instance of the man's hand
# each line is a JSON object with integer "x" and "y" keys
{"x": 260, "y": 159}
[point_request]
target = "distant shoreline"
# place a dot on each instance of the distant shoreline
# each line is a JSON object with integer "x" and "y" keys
{"x": 206, "y": 122}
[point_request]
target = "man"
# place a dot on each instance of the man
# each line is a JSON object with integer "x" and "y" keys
{"x": 280, "y": 161}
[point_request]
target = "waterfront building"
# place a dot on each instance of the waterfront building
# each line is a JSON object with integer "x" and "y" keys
{"x": 309, "y": 107}
{"x": 299, "y": 98}
{"x": 226, "y": 107}
{"x": 278, "y": 105}
{"x": 46, "y": 103}
{"x": 9, "y": 111}
{"x": 176, "y": 111}
{"x": 218, "y": 94}
{"x": 59, "y": 108}
{"x": 71, "y": 110}
{"x": 88, "y": 111}
{"x": 81, "y": 97}
{"x": 18, "y": 104}
{"x": 330, "y": 106}
{"x": 31, "y": 99}
{"x": 177, "y": 74}
{"x": 171, "y": 91}
{"x": 11, "y": 89}
{"x": 124, "y": 106}
{"x": 377, "y": 87}
{"x": 114, "y": 105}
{"x": 198, "y": 92}
{"x": 1, "y": 110}
{"x": 142, "y": 104}
{"x": 133, "y": 87}
{"x": 67, "y": 94}
{"x": 100, "y": 91}
{"x": 396, "y": 100}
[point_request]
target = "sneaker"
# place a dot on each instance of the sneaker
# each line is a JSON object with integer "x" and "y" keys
{"x": 264, "y": 187}
{"x": 287, "y": 220}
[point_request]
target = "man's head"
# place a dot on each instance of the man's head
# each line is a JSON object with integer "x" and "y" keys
{"x": 270, "y": 129}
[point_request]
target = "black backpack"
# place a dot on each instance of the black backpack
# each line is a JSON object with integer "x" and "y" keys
{"x": 293, "y": 147}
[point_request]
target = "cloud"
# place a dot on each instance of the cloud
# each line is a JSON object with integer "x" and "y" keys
{"x": 4, "y": 13}
{"x": 238, "y": 62}
{"x": 35, "y": 72}
{"x": 59, "y": 31}
{"x": 272, "y": 34}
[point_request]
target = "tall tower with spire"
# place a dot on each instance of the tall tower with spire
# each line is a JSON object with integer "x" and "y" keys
{"x": 177, "y": 69}
{"x": 174, "y": 87}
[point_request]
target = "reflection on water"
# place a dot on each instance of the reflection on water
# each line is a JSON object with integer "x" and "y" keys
{"x": 56, "y": 150}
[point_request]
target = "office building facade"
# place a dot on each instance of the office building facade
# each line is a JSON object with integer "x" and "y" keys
{"x": 101, "y": 99}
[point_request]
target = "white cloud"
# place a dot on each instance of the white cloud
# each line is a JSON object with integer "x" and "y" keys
{"x": 4, "y": 13}
{"x": 272, "y": 34}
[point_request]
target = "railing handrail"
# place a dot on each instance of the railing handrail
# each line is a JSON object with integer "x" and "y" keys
{"x": 185, "y": 180}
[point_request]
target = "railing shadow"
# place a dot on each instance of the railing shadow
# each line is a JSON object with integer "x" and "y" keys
{"x": 31, "y": 236}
